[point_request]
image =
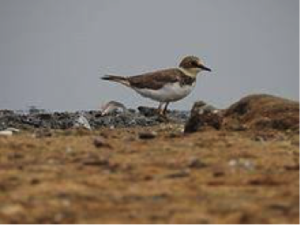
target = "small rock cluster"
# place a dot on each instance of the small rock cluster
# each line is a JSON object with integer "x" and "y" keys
{"x": 87, "y": 119}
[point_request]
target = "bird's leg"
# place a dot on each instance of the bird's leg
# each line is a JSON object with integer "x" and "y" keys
{"x": 160, "y": 111}
{"x": 165, "y": 108}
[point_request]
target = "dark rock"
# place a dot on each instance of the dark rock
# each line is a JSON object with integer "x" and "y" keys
{"x": 44, "y": 116}
{"x": 101, "y": 162}
{"x": 178, "y": 174}
{"x": 15, "y": 155}
{"x": 196, "y": 164}
{"x": 218, "y": 173}
{"x": 202, "y": 116}
{"x": 148, "y": 111}
{"x": 147, "y": 135}
{"x": 292, "y": 167}
{"x": 96, "y": 162}
{"x": 269, "y": 181}
{"x": 174, "y": 115}
{"x": 35, "y": 181}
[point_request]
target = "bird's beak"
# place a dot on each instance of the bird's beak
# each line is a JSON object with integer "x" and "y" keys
{"x": 204, "y": 67}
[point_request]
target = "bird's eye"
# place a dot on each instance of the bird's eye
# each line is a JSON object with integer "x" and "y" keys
{"x": 195, "y": 64}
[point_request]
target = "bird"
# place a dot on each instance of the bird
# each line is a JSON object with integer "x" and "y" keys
{"x": 166, "y": 85}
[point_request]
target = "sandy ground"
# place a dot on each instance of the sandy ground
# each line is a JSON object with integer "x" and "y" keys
{"x": 204, "y": 177}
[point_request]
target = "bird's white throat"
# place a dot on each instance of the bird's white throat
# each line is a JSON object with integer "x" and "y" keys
{"x": 192, "y": 72}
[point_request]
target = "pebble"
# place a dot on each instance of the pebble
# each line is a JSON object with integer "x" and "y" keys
{"x": 14, "y": 130}
{"x": 196, "y": 163}
{"x": 9, "y": 131}
{"x": 69, "y": 150}
{"x": 82, "y": 122}
{"x": 100, "y": 142}
{"x": 147, "y": 135}
{"x": 6, "y": 133}
{"x": 241, "y": 163}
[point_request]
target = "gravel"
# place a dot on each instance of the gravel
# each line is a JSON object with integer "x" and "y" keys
{"x": 86, "y": 119}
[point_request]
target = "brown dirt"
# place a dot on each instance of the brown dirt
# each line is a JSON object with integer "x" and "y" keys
{"x": 204, "y": 177}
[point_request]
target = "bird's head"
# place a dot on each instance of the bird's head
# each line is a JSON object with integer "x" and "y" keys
{"x": 192, "y": 65}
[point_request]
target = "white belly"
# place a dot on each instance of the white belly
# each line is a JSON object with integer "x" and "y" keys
{"x": 169, "y": 93}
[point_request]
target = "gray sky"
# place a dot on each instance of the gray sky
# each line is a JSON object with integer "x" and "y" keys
{"x": 52, "y": 52}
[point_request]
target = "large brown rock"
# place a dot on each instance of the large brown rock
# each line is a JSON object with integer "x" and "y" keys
{"x": 263, "y": 112}
{"x": 203, "y": 116}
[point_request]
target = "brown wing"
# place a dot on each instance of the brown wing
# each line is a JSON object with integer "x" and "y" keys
{"x": 158, "y": 79}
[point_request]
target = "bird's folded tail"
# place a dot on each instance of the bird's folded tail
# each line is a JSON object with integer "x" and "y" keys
{"x": 118, "y": 79}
